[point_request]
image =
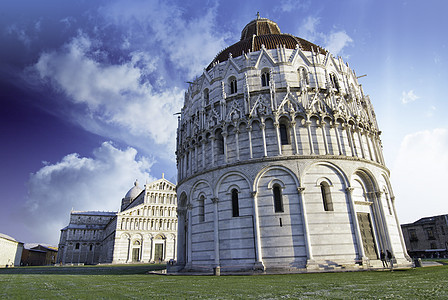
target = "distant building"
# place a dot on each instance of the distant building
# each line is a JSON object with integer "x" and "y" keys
{"x": 144, "y": 230}
{"x": 38, "y": 255}
{"x": 427, "y": 237}
{"x": 10, "y": 251}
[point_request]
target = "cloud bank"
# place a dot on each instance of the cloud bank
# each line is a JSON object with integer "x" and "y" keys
{"x": 334, "y": 41}
{"x": 124, "y": 74}
{"x": 80, "y": 183}
{"x": 422, "y": 158}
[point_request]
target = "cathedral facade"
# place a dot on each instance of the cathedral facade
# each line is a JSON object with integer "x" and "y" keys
{"x": 144, "y": 230}
{"x": 280, "y": 162}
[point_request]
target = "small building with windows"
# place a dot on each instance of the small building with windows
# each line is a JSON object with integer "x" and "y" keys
{"x": 144, "y": 230}
{"x": 427, "y": 237}
{"x": 280, "y": 162}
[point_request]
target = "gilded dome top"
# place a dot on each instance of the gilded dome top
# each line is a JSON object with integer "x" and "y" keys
{"x": 262, "y": 31}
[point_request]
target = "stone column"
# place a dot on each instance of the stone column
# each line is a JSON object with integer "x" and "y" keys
{"x": 224, "y": 135}
{"x": 310, "y": 264}
{"x": 151, "y": 253}
{"x": 181, "y": 238}
{"x": 189, "y": 220}
{"x": 350, "y": 139}
{"x": 196, "y": 160}
{"x": 368, "y": 145}
{"x": 324, "y": 135}
{"x": 257, "y": 237}
{"x": 356, "y": 228}
{"x": 279, "y": 142}
{"x": 129, "y": 251}
{"x": 212, "y": 139}
{"x": 359, "y": 132}
{"x": 263, "y": 132}
{"x": 190, "y": 160}
{"x": 294, "y": 131}
{"x": 237, "y": 142}
{"x": 216, "y": 229}
{"x": 203, "y": 152}
{"x": 338, "y": 138}
{"x": 249, "y": 133}
{"x": 381, "y": 219}
{"x": 310, "y": 137}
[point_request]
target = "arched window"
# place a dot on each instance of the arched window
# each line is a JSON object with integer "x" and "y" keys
{"x": 278, "y": 198}
{"x": 206, "y": 97}
{"x": 235, "y": 205}
{"x": 220, "y": 142}
{"x": 334, "y": 81}
{"x": 233, "y": 86}
{"x": 201, "y": 206}
{"x": 303, "y": 76}
{"x": 265, "y": 78}
{"x": 77, "y": 246}
{"x": 326, "y": 196}
{"x": 284, "y": 134}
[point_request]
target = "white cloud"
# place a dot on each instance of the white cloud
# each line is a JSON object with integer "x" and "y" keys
{"x": 290, "y": 5}
{"x": 81, "y": 183}
{"x": 126, "y": 74}
{"x": 337, "y": 41}
{"x": 334, "y": 41}
{"x": 420, "y": 173}
{"x": 115, "y": 95}
{"x": 409, "y": 96}
{"x": 190, "y": 44}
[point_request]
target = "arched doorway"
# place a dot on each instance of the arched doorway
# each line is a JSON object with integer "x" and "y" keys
{"x": 159, "y": 248}
{"x": 136, "y": 251}
{"x": 363, "y": 197}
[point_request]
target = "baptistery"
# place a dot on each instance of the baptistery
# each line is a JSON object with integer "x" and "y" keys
{"x": 280, "y": 163}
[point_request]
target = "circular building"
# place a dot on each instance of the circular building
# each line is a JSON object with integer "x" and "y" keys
{"x": 280, "y": 162}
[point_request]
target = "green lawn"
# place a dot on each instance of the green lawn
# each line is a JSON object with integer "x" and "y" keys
{"x": 105, "y": 282}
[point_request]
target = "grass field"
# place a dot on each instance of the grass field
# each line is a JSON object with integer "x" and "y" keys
{"x": 130, "y": 281}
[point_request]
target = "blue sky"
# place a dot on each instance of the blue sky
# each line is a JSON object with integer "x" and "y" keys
{"x": 88, "y": 90}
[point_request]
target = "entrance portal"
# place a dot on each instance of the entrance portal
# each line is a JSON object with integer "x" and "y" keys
{"x": 135, "y": 254}
{"x": 368, "y": 240}
{"x": 158, "y": 252}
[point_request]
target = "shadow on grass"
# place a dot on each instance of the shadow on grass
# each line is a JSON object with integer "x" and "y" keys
{"x": 85, "y": 270}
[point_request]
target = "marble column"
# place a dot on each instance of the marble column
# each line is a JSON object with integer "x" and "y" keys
{"x": 356, "y": 228}
{"x": 216, "y": 230}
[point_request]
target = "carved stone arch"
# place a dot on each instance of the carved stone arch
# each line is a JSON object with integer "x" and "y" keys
{"x": 270, "y": 168}
{"x": 336, "y": 169}
{"x": 125, "y": 235}
{"x": 368, "y": 178}
{"x": 323, "y": 179}
{"x": 388, "y": 186}
{"x": 196, "y": 184}
{"x": 160, "y": 236}
{"x": 224, "y": 176}
{"x": 254, "y": 120}
{"x": 137, "y": 236}
{"x": 183, "y": 200}
{"x": 274, "y": 182}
